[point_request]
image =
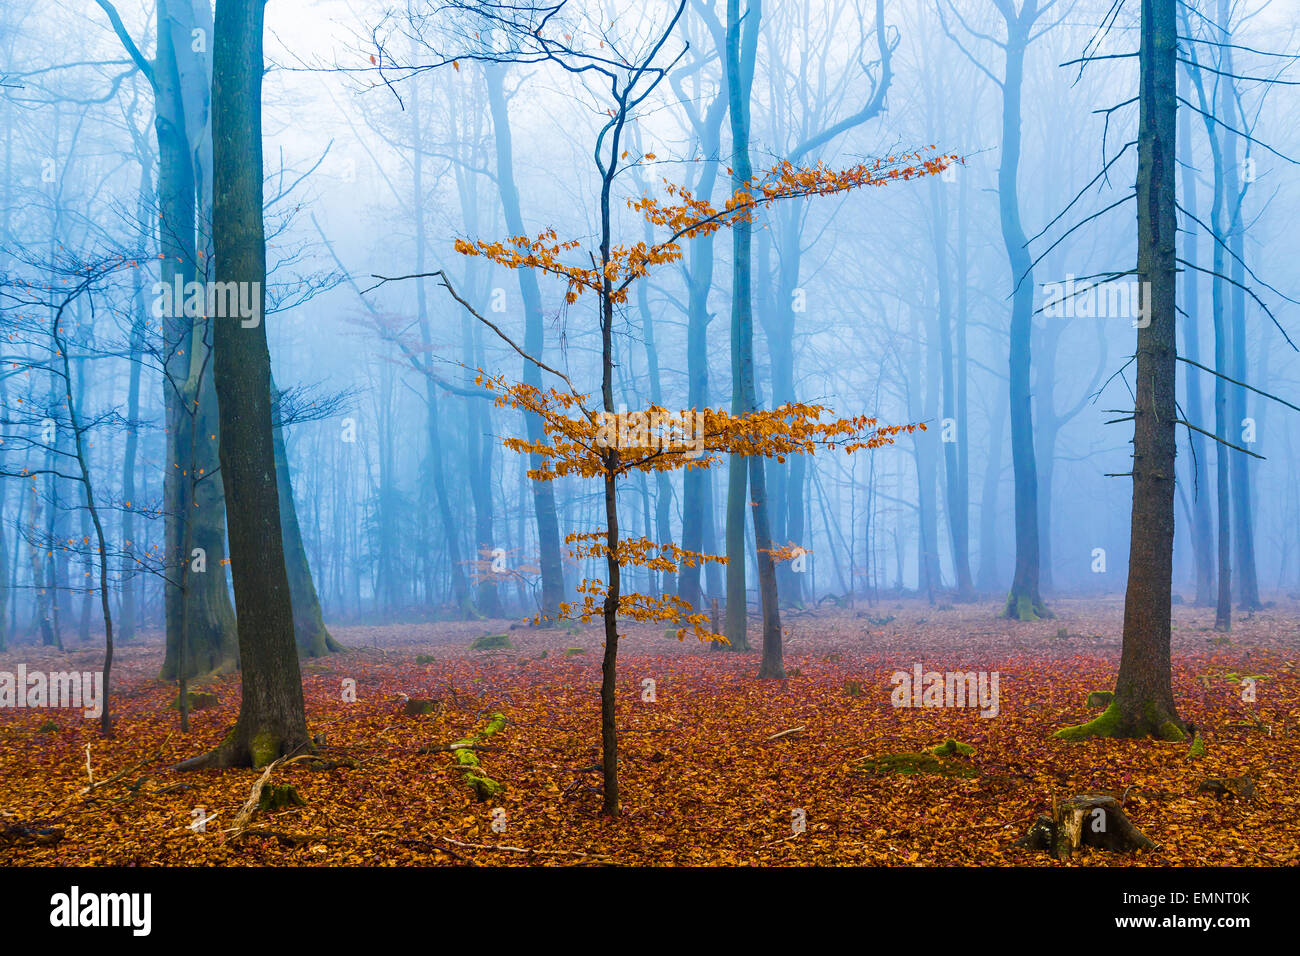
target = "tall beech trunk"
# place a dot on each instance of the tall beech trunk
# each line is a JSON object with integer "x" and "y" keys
{"x": 1218, "y": 307}
{"x": 435, "y": 463}
{"x": 786, "y": 480}
{"x": 663, "y": 498}
{"x": 740, "y": 55}
{"x": 698, "y": 530}
{"x": 1024, "y": 601}
{"x": 178, "y": 75}
{"x": 955, "y": 489}
{"x": 128, "y": 613}
{"x": 478, "y": 454}
{"x": 1143, "y": 704}
{"x": 1243, "y": 523}
{"x": 548, "y": 525}
{"x": 1199, "y": 503}
{"x": 272, "y": 718}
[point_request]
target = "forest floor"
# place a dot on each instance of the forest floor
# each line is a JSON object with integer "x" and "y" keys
{"x": 704, "y": 776}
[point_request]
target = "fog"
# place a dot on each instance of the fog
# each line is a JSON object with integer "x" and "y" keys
{"x": 893, "y": 301}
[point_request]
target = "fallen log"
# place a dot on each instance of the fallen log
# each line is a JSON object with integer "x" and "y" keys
{"x": 468, "y": 763}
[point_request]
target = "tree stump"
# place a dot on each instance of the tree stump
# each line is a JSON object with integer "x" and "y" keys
{"x": 419, "y": 706}
{"x": 1087, "y": 819}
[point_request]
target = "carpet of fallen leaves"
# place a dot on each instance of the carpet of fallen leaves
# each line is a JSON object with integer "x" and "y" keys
{"x": 703, "y": 782}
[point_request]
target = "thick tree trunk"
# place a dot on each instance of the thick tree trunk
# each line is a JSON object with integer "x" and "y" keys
{"x": 272, "y": 719}
{"x": 479, "y": 455}
{"x": 1218, "y": 299}
{"x": 699, "y": 532}
{"x": 1144, "y": 702}
{"x": 786, "y": 479}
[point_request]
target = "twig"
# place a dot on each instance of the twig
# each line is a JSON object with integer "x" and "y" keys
{"x": 122, "y": 773}
{"x": 792, "y": 730}
{"x": 250, "y": 805}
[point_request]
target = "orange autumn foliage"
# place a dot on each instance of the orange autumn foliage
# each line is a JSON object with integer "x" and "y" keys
{"x": 687, "y": 217}
{"x": 589, "y": 443}
{"x": 584, "y": 443}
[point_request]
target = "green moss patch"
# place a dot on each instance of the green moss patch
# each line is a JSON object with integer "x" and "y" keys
{"x": 953, "y": 748}
{"x": 467, "y": 760}
{"x": 927, "y": 763}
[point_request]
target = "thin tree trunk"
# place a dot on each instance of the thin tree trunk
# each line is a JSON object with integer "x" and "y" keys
{"x": 1024, "y": 601}
{"x": 954, "y": 479}
{"x": 1243, "y": 525}
{"x": 548, "y": 526}
{"x": 1202, "y": 531}
{"x": 741, "y": 47}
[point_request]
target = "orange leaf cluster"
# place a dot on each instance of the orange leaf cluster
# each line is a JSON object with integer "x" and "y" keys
{"x": 687, "y": 217}
{"x": 591, "y": 444}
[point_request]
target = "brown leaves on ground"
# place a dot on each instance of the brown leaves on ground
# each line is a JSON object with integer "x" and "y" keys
{"x": 709, "y": 773}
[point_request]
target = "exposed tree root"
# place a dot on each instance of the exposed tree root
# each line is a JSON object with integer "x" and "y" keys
{"x": 1025, "y": 608}
{"x": 1121, "y": 722}
{"x": 244, "y": 748}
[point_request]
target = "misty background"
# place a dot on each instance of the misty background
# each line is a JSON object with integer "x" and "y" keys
{"x": 893, "y": 302}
